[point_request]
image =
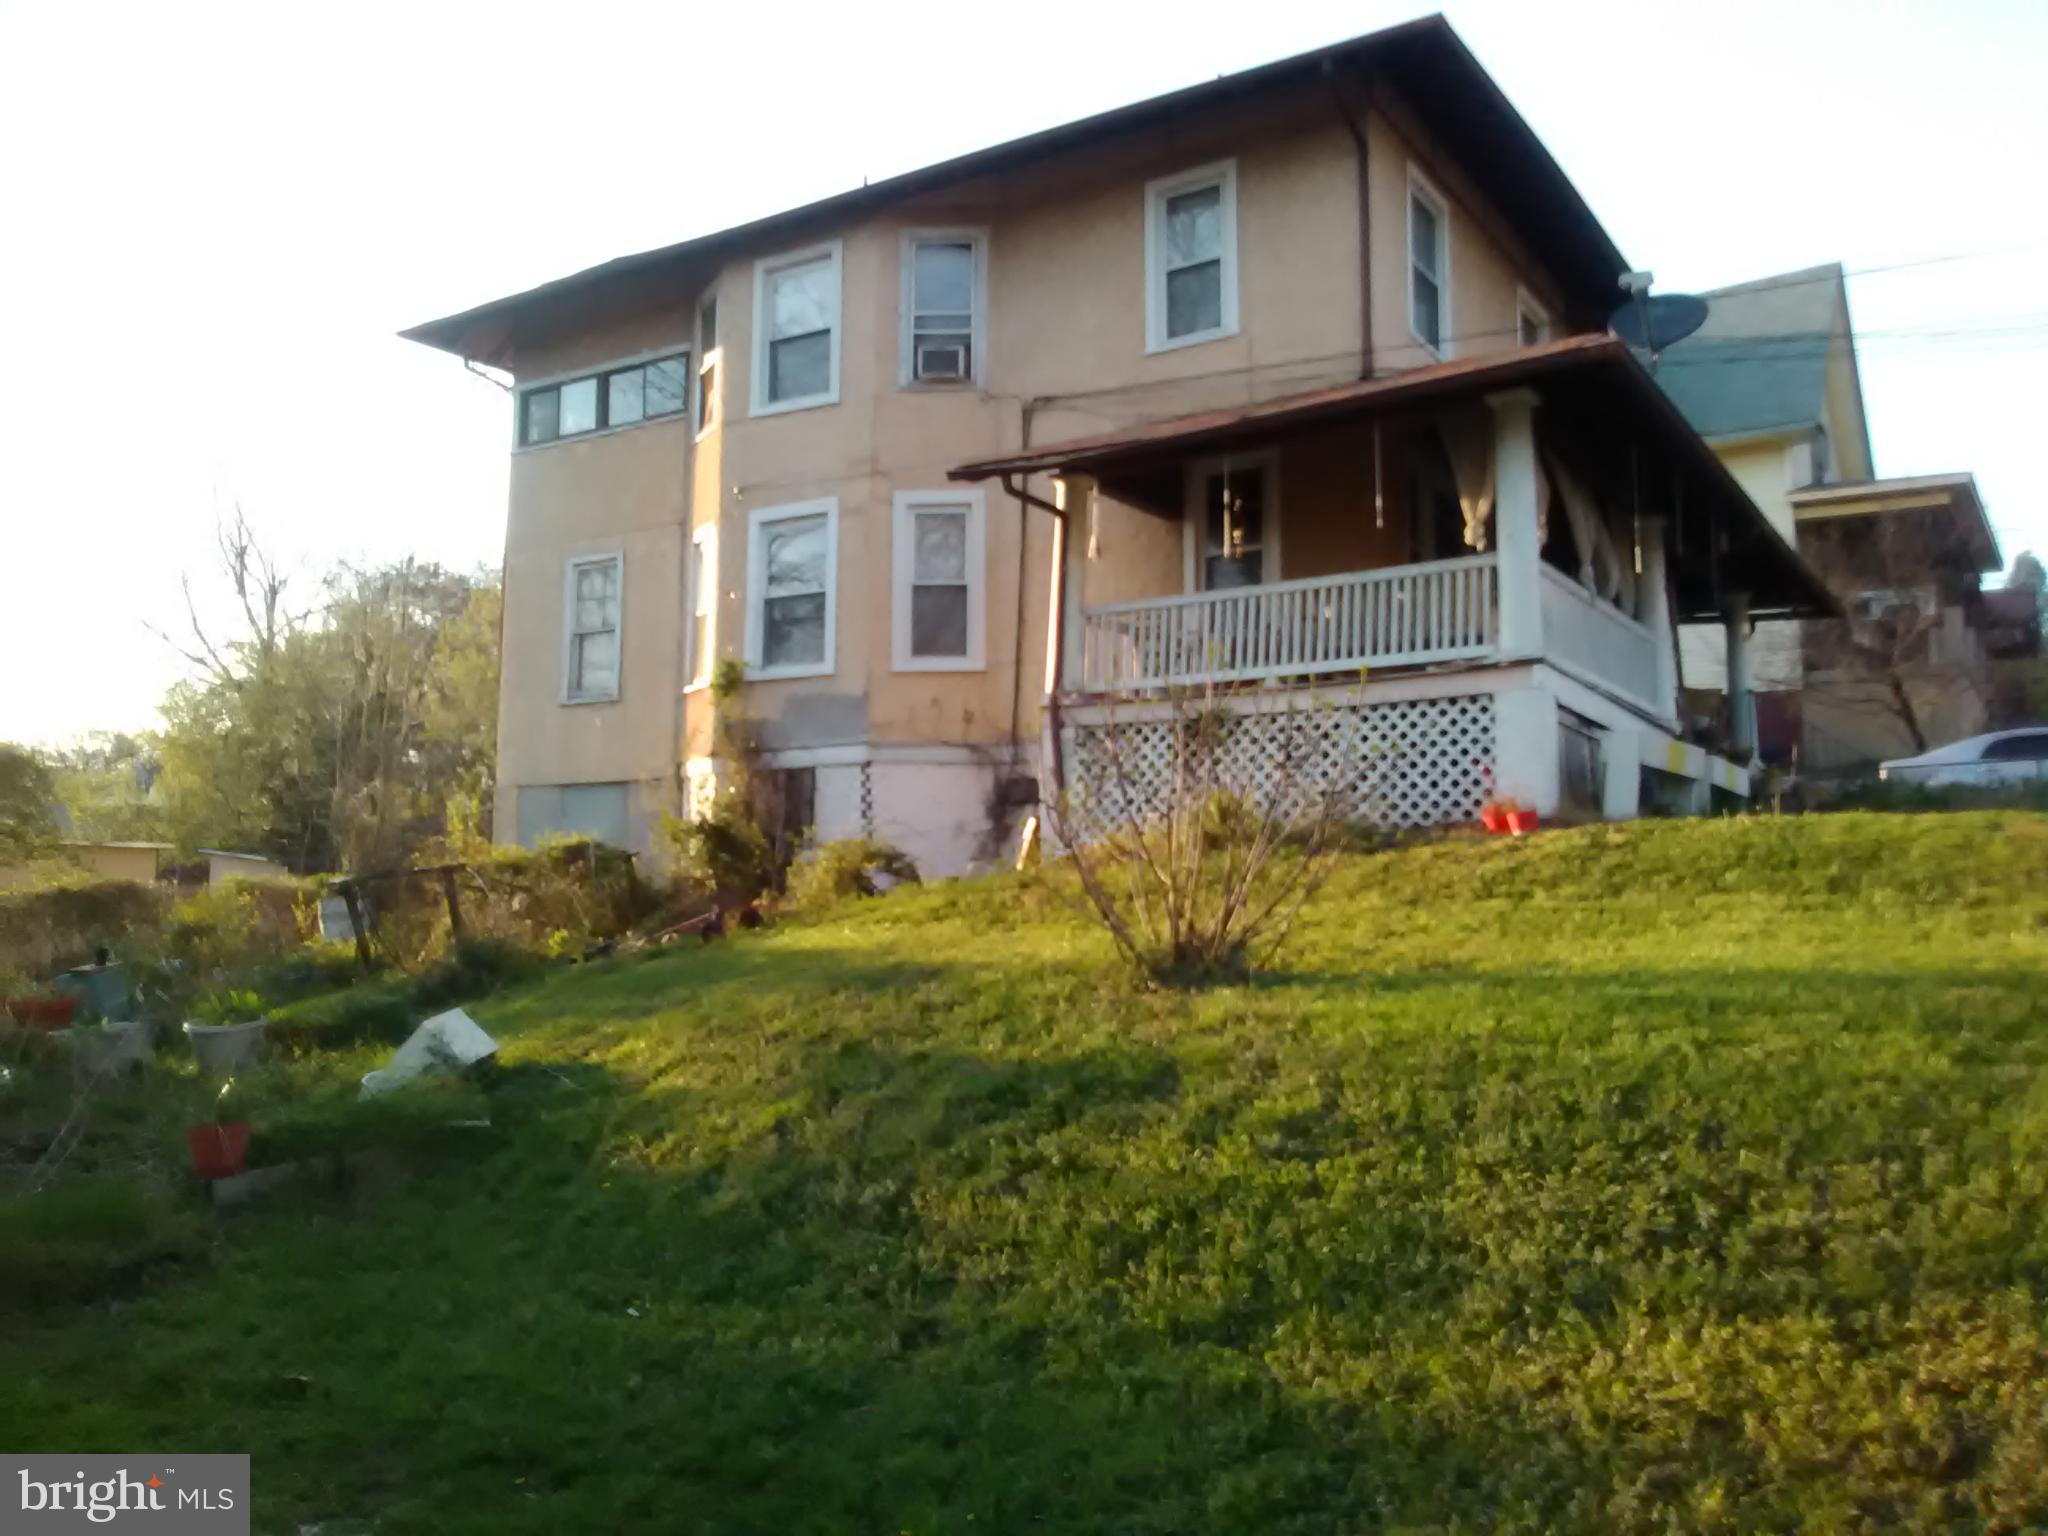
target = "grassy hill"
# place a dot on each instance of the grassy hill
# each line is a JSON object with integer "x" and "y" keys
{"x": 1690, "y": 1176}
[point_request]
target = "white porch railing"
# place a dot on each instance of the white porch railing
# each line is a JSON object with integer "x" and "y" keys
{"x": 1405, "y": 615}
{"x": 1598, "y": 641}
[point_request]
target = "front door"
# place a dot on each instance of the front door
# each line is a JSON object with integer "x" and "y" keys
{"x": 1232, "y": 506}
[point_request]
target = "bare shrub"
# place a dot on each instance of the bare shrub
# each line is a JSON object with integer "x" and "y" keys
{"x": 1205, "y": 823}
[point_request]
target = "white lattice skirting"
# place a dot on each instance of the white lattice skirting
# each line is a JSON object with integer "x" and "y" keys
{"x": 1419, "y": 762}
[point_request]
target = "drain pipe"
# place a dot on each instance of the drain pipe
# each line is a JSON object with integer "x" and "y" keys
{"x": 1356, "y": 129}
{"x": 1056, "y": 637}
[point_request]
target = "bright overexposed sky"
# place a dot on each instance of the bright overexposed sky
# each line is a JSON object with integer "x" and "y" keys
{"x": 214, "y": 217}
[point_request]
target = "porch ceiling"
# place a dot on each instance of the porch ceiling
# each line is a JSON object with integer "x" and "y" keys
{"x": 1719, "y": 541}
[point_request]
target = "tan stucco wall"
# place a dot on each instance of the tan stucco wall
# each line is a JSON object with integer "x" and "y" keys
{"x": 1066, "y": 352}
{"x": 118, "y": 863}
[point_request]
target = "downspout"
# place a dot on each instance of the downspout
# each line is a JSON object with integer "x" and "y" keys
{"x": 1056, "y": 658}
{"x": 1356, "y": 129}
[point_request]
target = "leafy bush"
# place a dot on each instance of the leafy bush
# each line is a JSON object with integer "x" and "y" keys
{"x": 237, "y": 925}
{"x": 574, "y": 886}
{"x": 474, "y": 968}
{"x": 836, "y": 871}
{"x": 229, "y": 1005}
{"x": 723, "y": 856}
{"x": 59, "y": 924}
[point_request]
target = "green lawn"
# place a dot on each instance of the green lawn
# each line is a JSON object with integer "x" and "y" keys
{"x": 1671, "y": 1176}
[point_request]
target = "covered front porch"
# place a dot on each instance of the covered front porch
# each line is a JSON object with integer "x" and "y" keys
{"x": 1525, "y": 530}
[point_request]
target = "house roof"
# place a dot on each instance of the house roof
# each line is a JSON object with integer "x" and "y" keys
{"x": 1956, "y": 495}
{"x": 1760, "y": 362}
{"x": 1425, "y": 60}
{"x": 1599, "y": 369}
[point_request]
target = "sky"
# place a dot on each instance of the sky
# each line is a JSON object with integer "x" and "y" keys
{"x": 216, "y": 217}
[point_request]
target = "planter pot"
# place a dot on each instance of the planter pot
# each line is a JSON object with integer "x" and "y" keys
{"x": 1493, "y": 818}
{"x": 1520, "y": 822}
{"x": 110, "y": 1047}
{"x": 42, "y": 1012}
{"x": 218, "y": 1150}
{"x": 223, "y": 1047}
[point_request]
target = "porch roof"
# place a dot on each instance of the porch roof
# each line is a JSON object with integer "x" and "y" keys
{"x": 1719, "y": 542}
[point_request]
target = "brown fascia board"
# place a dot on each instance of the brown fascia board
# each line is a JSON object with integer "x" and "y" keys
{"x": 1426, "y": 53}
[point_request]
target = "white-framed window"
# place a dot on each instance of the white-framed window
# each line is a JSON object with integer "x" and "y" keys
{"x": 938, "y": 601}
{"x": 1232, "y": 527}
{"x": 1191, "y": 257}
{"x": 1429, "y": 264}
{"x": 1532, "y": 320}
{"x": 944, "y": 307}
{"x": 703, "y": 603}
{"x": 709, "y": 358}
{"x": 796, "y": 330}
{"x": 622, "y": 395}
{"x": 792, "y": 589}
{"x": 593, "y": 607}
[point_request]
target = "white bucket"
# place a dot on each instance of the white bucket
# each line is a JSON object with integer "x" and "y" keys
{"x": 109, "y": 1047}
{"x": 221, "y": 1048}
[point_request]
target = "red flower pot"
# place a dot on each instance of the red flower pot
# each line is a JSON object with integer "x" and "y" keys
{"x": 218, "y": 1150}
{"x": 42, "y": 1012}
{"x": 1522, "y": 821}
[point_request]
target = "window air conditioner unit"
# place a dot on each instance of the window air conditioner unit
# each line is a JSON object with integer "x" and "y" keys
{"x": 942, "y": 362}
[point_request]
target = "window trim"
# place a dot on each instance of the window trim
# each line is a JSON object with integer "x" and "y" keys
{"x": 906, "y": 306}
{"x": 766, "y": 267}
{"x": 1421, "y": 187}
{"x": 1529, "y": 307}
{"x": 702, "y": 555}
{"x": 902, "y": 570}
{"x": 600, "y": 372}
{"x": 1218, "y": 173}
{"x": 758, "y": 521}
{"x": 1194, "y": 523}
{"x": 570, "y": 567}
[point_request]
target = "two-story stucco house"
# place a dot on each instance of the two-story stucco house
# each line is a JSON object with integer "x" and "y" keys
{"x": 1292, "y": 372}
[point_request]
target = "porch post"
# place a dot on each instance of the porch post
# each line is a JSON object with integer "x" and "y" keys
{"x": 1516, "y": 539}
{"x": 1741, "y": 690}
{"x": 1653, "y": 604}
{"x": 1073, "y": 495}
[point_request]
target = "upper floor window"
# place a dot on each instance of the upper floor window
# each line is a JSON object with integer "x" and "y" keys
{"x": 939, "y": 569}
{"x": 1429, "y": 264}
{"x": 1191, "y": 257}
{"x": 707, "y": 364}
{"x": 796, "y": 330}
{"x": 590, "y": 642}
{"x": 616, "y": 397}
{"x": 792, "y": 582}
{"x": 943, "y": 306}
{"x": 1532, "y": 320}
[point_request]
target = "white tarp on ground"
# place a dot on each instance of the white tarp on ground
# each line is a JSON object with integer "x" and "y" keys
{"x": 444, "y": 1043}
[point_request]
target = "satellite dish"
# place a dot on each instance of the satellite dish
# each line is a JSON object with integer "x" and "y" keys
{"x": 1655, "y": 321}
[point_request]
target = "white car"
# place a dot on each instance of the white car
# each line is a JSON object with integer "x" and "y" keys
{"x": 1997, "y": 757}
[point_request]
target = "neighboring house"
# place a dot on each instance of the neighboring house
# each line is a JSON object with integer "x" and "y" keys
{"x": 1771, "y": 381}
{"x": 1279, "y": 376}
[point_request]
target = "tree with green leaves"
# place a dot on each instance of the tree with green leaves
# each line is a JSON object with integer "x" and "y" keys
{"x": 28, "y": 822}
